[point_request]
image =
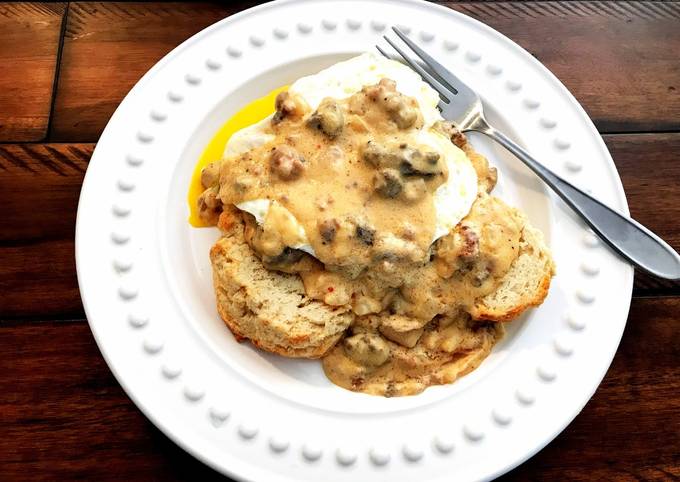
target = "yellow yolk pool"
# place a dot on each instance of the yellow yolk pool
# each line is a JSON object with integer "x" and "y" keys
{"x": 249, "y": 115}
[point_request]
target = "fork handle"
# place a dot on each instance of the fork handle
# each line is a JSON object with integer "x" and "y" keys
{"x": 626, "y": 236}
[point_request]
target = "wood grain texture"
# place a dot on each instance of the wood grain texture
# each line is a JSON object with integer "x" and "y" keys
{"x": 37, "y": 244}
{"x": 649, "y": 165}
{"x": 63, "y": 416}
{"x": 39, "y": 189}
{"x": 618, "y": 58}
{"x": 29, "y": 41}
{"x": 108, "y": 46}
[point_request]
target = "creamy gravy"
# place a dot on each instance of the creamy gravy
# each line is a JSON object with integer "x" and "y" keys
{"x": 448, "y": 348}
{"x": 353, "y": 176}
{"x": 353, "y": 186}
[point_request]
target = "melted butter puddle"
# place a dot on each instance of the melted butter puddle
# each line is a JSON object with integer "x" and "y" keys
{"x": 247, "y": 116}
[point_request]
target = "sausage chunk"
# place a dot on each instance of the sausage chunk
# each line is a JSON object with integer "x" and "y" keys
{"x": 410, "y": 161}
{"x": 388, "y": 183}
{"x": 367, "y": 349}
{"x": 328, "y": 118}
{"x": 209, "y": 205}
{"x": 450, "y": 130}
{"x": 468, "y": 242}
{"x": 286, "y": 163}
{"x": 287, "y": 106}
{"x": 459, "y": 252}
{"x": 328, "y": 228}
{"x": 288, "y": 256}
{"x": 210, "y": 174}
{"x": 377, "y": 155}
{"x": 415, "y": 162}
{"x": 365, "y": 234}
{"x": 402, "y": 110}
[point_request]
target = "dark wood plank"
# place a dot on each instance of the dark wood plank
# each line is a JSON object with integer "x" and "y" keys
{"x": 64, "y": 416}
{"x": 37, "y": 244}
{"x": 629, "y": 429}
{"x": 618, "y": 58}
{"x": 649, "y": 165}
{"x": 39, "y": 189}
{"x": 108, "y": 46}
{"x": 29, "y": 41}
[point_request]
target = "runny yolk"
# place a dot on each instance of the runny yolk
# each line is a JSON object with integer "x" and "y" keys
{"x": 248, "y": 115}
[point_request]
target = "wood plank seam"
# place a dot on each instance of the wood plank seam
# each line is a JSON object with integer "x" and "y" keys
{"x": 29, "y": 39}
{"x": 57, "y": 69}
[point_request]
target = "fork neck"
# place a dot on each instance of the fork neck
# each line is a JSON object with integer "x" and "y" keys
{"x": 477, "y": 123}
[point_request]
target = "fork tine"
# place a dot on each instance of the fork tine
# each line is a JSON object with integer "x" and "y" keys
{"x": 380, "y": 49}
{"x": 444, "y": 92}
{"x": 454, "y": 82}
{"x": 442, "y": 98}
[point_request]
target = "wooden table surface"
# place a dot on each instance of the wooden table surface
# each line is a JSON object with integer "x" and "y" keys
{"x": 64, "y": 67}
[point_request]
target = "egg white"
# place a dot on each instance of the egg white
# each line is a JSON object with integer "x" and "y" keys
{"x": 452, "y": 199}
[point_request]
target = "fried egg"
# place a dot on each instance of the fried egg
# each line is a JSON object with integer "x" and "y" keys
{"x": 452, "y": 199}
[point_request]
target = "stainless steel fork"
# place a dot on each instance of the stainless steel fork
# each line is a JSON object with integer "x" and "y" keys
{"x": 462, "y": 106}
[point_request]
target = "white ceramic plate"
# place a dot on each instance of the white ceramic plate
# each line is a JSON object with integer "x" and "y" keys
{"x": 144, "y": 273}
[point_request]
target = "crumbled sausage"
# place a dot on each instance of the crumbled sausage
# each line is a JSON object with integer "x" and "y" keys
{"x": 469, "y": 241}
{"x": 403, "y": 113}
{"x": 328, "y": 118}
{"x": 480, "y": 274}
{"x": 367, "y": 349}
{"x": 378, "y": 91}
{"x": 418, "y": 163}
{"x": 392, "y": 248}
{"x": 286, "y": 162}
{"x": 290, "y": 260}
{"x": 405, "y": 338}
{"x": 209, "y": 205}
{"x": 402, "y": 110}
{"x": 328, "y": 229}
{"x": 210, "y": 197}
{"x": 365, "y": 234}
{"x": 376, "y": 154}
{"x": 388, "y": 183}
{"x": 450, "y": 130}
{"x": 210, "y": 174}
{"x": 287, "y": 105}
{"x": 409, "y": 160}
{"x": 459, "y": 252}
{"x": 288, "y": 256}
